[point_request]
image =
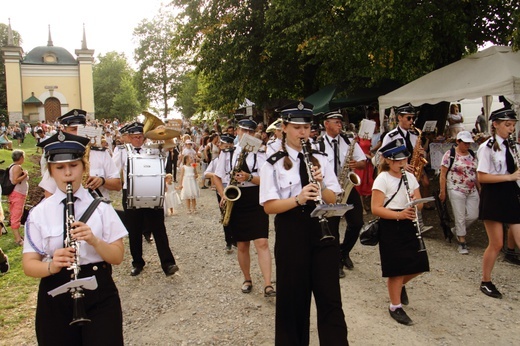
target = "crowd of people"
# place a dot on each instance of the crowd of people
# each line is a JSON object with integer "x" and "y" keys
{"x": 276, "y": 178}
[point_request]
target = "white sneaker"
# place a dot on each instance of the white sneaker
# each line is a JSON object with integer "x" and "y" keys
{"x": 463, "y": 249}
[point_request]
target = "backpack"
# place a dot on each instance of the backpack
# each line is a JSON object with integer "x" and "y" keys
{"x": 5, "y": 182}
{"x": 452, "y": 157}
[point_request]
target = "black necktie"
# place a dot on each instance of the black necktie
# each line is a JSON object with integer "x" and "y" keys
{"x": 138, "y": 150}
{"x": 303, "y": 171}
{"x": 336, "y": 156}
{"x": 510, "y": 162}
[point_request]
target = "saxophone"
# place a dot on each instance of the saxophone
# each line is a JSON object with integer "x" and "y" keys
{"x": 347, "y": 178}
{"x": 232, "y": 192}
{"x": 418, "y": 161}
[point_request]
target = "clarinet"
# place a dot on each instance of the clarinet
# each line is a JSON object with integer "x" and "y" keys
{"x": 79, "y": 316}
{"x": 416, "y": 223}
{"x": 325, "y": 231}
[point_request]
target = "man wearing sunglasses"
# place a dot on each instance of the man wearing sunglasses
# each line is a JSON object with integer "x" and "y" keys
{"x": 405, "y": 118}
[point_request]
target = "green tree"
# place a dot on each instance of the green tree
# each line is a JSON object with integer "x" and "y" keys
{"x": 160, "y": 62}
{"x": 290, "y": 49}
{"x": 111, "y": 77}
{"x": 186, "y": 97}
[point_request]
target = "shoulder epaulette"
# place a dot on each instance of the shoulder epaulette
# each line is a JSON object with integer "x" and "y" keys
{"x": 314, "y": 151}
{"x": 490, "y": 143}
{"x": 392, "y": 133}
{"x": 276, "y": 156}
{"x": 97, "y": 148}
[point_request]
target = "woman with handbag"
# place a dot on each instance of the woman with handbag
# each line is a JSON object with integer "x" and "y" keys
{"x": 401, "y": 260}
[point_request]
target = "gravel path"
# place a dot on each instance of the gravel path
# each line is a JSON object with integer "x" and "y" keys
{"x": 202, "y": 304}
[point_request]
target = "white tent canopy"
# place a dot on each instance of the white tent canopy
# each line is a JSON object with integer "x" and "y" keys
{"x": 493, "y": 71}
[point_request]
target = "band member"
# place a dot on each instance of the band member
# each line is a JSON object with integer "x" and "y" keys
{"x": 498, "y": 175}
{"x": 274, "y": 144}
{"x": 305, "y": 266}
{"x": 104, "y": 175}
{"x": 337, "y": 147}
{"x": 248, "y": 221}
{"x": 144, "y": 218}
{"x": 226, "y": 146}
{"x": 406, "y": 116}
{"x": 399, "y": 245}
{"x": 101, "y": 246}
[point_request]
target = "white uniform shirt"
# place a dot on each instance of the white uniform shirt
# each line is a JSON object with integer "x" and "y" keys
{"x": 45, "y": 226}
{"x": 273, "y": 146}
{"x": 490, "y": 161}
{"x": 394, "y": 134}
{"x": 343, "y": 149}
{"x": 388, "y": 184}
{"x": 224, "y": 166}
{"x": 101, "y": 165}
{"x": 279, "y": 183}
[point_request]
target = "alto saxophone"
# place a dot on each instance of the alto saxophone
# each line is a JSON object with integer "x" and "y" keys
{"x": 347, "y": 178}
{"x": 232, "y": 192}
{"x": 418, "y": 161}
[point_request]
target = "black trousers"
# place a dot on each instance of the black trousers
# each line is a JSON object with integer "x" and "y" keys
{"x": 306, "y": 266}
{"x": 102, "y": 307}
{"x": 146, "y": 230}
{"x": 153, "y": 219}
{"x": 354, "y": 218}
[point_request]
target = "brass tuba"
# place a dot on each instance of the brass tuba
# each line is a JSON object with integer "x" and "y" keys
{"x": 151, "y": 122}
{"x": 418, "y": 161}
{"x": 347, "y": 178}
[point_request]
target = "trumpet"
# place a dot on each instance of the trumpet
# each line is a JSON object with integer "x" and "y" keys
{"x": 79, "y": 316}
{"x": 324, "y": 224}
{"x": 416, "y": 223}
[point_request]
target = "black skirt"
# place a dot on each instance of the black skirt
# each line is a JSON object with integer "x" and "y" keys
{"x": 399, "y": 249}
{"x": 500, "y": 202}
{"x": 248, "y": 220}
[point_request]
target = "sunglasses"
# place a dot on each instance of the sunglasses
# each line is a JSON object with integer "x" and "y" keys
{"x": 409, "y": 118}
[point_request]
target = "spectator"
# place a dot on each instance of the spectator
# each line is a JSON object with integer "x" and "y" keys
{"x": 455, "y": 120}
{"x": 19, "y": 177}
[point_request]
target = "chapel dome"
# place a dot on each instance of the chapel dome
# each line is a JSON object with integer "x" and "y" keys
{"x": 49, "y": 55}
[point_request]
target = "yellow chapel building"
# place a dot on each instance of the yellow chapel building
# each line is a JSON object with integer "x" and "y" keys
{"x": 48, "y": 81}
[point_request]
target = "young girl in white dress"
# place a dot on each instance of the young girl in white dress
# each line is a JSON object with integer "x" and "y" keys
{"x": 170, "y": 196}
{"x": 189, "y": 187}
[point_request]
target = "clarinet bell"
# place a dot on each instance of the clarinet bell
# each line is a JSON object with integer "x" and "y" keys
{"x": 79, "y": 316}
{"x": 325, "y": 231}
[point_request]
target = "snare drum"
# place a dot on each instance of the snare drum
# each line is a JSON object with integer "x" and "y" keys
{"x": 145, "y": 182}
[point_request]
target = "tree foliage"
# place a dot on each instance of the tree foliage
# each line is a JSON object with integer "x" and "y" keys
{"x": 160, "y": 62}
{"x": 113, "y": 87}
{"x": 291, "y": 48}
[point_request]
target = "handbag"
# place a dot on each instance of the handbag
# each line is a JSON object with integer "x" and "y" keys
{"x": 369, "y": 234}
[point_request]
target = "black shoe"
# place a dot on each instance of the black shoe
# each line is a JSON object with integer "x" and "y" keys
{"x": 136, "y": 271}
{"x": 247, "y": 286}
{"x": 348, "y": 263}
{"x": 513, "y": 259}
{"x": 341, "y": 273}
{"x": 148, "y": 238}
{"x": 490, "y": 290}
{"x": 400, "y": 316}
{"x": 204, "y": 187}
{"x": 171, "y": 269}
{"x": 404, "y": 296}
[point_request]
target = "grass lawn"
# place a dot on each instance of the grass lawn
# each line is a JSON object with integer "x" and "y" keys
{"x": 17, "y": 291}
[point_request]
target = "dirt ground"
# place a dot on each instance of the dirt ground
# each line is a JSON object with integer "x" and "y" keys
{"x": 202, "y": 304}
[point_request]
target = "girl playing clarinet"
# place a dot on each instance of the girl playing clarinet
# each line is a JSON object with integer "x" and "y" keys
{"x": 305, "y": 265}
{"x": 499, "y": 200}
{"x": 399, "y": 244}
{"x": 100, "y": 246}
